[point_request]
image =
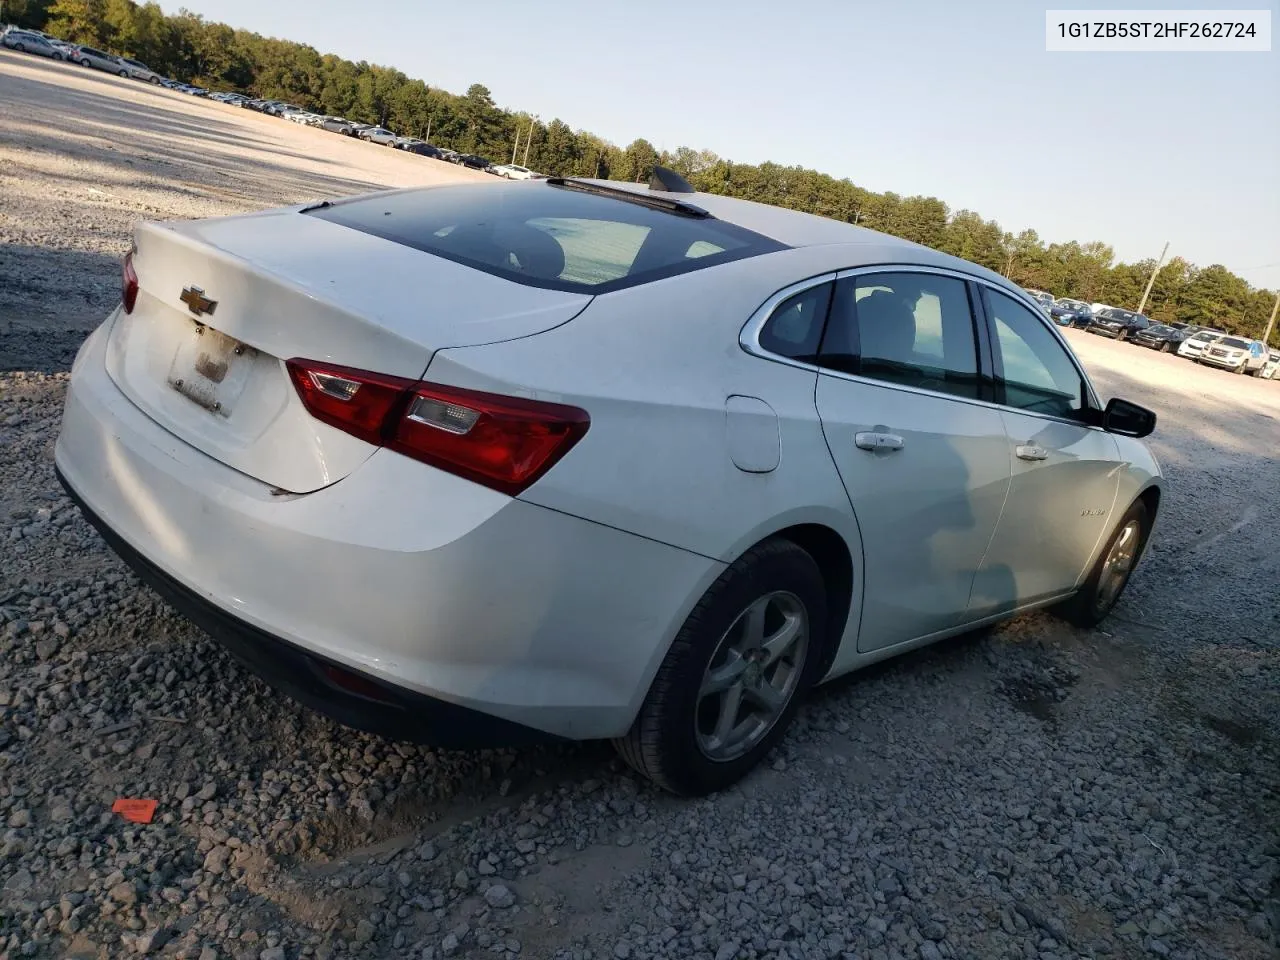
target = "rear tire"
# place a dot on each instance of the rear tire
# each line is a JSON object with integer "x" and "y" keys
{"x": 125, "y": 74}
{"x": 680, "y": 739}
{"x": 20, "y": 48}
{"x": 1110, "y": 575}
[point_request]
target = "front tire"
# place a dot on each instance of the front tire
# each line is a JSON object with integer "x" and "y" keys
{"x": 733, "y": 677}
{"x": 1106, "y": 583}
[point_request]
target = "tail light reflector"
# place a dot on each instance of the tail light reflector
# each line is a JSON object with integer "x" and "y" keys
{"x": 505, "y": 443}
{"x": 128, "y": 283}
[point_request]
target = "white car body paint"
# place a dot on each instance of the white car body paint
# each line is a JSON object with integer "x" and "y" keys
{"x": 554, "y": 608}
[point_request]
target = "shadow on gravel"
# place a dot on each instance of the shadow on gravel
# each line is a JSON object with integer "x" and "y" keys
{"x": 50, "y": 300}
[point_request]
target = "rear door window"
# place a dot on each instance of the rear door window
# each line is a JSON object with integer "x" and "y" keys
{"x": 913, "y": 329}
{"x": 549, "y": 236}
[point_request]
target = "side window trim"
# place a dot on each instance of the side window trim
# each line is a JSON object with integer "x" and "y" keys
{"x": 749, "y": 337}
{"x": 991, "y": 376}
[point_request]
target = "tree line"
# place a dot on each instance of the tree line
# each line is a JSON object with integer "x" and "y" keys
{"x": 189, "y": 48}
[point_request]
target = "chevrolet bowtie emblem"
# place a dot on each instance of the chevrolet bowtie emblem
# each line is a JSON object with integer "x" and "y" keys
{"x": 197, "y": 302}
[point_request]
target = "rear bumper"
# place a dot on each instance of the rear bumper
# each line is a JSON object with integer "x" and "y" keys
{"x": 353, "y": 698}
{"x": 426, "y": 585}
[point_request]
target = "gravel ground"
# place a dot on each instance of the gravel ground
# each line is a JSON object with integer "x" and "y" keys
{"x": 1033, "y": 791}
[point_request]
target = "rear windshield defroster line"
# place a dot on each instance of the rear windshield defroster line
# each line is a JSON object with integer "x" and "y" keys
{"x": 549, "y": 237}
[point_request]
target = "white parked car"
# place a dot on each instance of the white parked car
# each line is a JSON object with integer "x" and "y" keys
{"x": 379, "y": 135}
{"x": 1271, "y": 369}
{"x": 1198, "y": 342}
{"x": 484, "y": 463}
{"x": 302, "y": 116}
{"x": 1237, "y": 354}
{"x": 513, "y": 171}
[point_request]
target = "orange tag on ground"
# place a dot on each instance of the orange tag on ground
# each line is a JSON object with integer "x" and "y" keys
{"x": 135, "y": 811}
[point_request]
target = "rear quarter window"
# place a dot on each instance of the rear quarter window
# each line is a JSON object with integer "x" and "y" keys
{"x": 543, "y": 235}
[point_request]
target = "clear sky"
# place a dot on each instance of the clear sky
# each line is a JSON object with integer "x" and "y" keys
{"x": 956, "y": 99}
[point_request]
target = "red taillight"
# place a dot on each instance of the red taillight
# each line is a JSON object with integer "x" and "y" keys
{"x": 128, "y": 283}
{"x": 359, "y": 402}
{"x": 502, "y": 442}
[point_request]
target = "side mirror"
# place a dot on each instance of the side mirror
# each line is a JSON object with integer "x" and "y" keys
{"x": 1127, "y": 419}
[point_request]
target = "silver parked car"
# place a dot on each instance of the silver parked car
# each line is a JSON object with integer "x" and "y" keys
{"x": 25, "y": 42}
{"x": 99, "y": 60}
{"x": 139, "y": 71}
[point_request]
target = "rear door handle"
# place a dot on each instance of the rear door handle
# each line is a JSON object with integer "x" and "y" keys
{"x": 1029, "y": 451}
{"x": 877, "y": 441}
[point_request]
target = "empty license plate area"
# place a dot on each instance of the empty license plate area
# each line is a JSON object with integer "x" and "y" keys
{"x": 211, "y": 369}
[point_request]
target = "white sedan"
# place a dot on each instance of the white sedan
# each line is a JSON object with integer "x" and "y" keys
{"x": 513, "y": 171}
{"x": 485, "y": 463}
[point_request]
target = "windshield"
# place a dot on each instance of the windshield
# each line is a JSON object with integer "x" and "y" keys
{"x": 1160, "y": 328}
{"x": 1235, "y": 343}
{"x": 549, "y": 236}
{"x": 1118, "y": 315}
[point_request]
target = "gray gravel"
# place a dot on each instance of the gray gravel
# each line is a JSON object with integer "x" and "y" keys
{"x": 1033, "y": 792}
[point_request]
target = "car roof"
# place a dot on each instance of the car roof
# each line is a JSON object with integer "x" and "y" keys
{"x": 796, "y": 229}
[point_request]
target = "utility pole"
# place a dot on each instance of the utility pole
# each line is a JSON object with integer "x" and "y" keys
{"x": 1275, "y": 308}
{"x": 528, "y": 140}
{"x": 517, "y": 145}
{"x": 428, "y": 136}
{"x": 1151, "y": 282}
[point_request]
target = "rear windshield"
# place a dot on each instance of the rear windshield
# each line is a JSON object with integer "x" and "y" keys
{"x": 548, "y": 236}
{"x": 1235, "y": 342}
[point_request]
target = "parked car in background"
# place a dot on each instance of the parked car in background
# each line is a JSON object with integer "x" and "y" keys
{"x": 448, "y": 155}
{"x": 1071, "y": 313}
{"x": 473, "y": 161}
{"x": 1271, "y": 369}
{"x": 423, "y": 150}
{"x": 512, "y": 171}
{"x": 379, "y": 135}
{"x": 1198, "y": 342}
{"x": 1237, "y": 354}
{"x": 139, "y": 70}
{"x": 98, "y": 60}
{"x": 338, "y": 125}
{"x": 24, "y": 42}
{"x": 301, "y": 116}
{"x": 1166, "y": 337}
{"x": 1118, "y": 324}
{"x": 568, "y": 546}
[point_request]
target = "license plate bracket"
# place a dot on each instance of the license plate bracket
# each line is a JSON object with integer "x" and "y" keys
{"x": 211, "y": 369}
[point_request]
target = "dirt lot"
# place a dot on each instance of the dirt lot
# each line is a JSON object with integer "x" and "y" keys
{"x": 1034, "y": 792}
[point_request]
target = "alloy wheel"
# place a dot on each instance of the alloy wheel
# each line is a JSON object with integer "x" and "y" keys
{"x": 1118, "y": 565}
{"x": 753, "y": 673}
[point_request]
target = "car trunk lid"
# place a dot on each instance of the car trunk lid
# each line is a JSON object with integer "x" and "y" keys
{"x": 223, "y": 303}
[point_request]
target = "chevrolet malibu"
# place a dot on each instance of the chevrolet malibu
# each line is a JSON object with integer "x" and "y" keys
{"x": 486, "y": 463}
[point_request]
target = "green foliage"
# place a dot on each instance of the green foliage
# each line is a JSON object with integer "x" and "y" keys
{"x": 189, "y": 48}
